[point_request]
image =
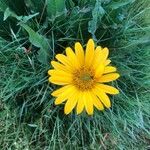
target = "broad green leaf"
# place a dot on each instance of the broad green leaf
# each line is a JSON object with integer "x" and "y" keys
{"x": 34, "y": 37}
{"x": 9, "y": 13}
{"x": 24, "y": 19}
{"x": 115, "y": 5}
{"x": 55, "y": 8}
{"x": 97, "y": 15}
{"x": 39, "y": 41}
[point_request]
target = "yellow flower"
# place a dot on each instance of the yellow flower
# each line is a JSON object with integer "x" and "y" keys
{"x": 82, "y": 75}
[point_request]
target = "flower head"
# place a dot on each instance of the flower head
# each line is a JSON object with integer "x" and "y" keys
{"x": 82, "y": 76}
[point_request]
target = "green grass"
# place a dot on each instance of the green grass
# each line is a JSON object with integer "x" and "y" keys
{"x": 29, "y": 120}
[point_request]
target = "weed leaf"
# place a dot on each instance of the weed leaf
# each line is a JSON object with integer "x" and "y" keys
{"x": 55, "y": 8}
{"x": 24, "y": 19}
{"x": 39, "y": 41}
{"x": 97, "y": 15}
{"x": 115, "y": 5}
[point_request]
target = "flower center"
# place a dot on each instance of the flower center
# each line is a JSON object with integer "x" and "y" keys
{"x": 83, "y": 78}
{"x": 86, "y": 77}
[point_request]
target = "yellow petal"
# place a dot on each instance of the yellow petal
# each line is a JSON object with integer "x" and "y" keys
{"x": 64, "y": 60}
{"x": 100, "y": 56}
{"x": 72, "y": 57}
{"x": 104, "y": 54}
{"x": 89, "y": 54}
{"x": 80, "y": 104}
{"x": 60, "y": 73}
{"x": 88, "y": 102}
{"x": 109, "y": 77}
{"x": 97, "y": 103}
{"x": 60, "y": 81}
{"x": 96, "y": 59}
{"x": 102, "y": 96}
{"x": 60, "y": 100}
{"x": 79, "y": 53}
{"x": 60, "y": 66}
{"x": 97, "y": 52}
{"x": 61, "y": 90}
{"x": 98, "y": 48}
{"x": 107, "y": 62}
{"x": 67, "y": 93}
{"x": 109, "y": 69}
{"x": 108, "y": 89}
{"x": 71, "y": 103}
{"x": 99, "y": 70}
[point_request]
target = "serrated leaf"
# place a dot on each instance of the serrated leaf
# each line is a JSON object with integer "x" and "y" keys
{"x": 55, "y": 8}
{"x": 39, "y": 41}
{"x": 115, "y": 5}
{"x": 97, "y": 15}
